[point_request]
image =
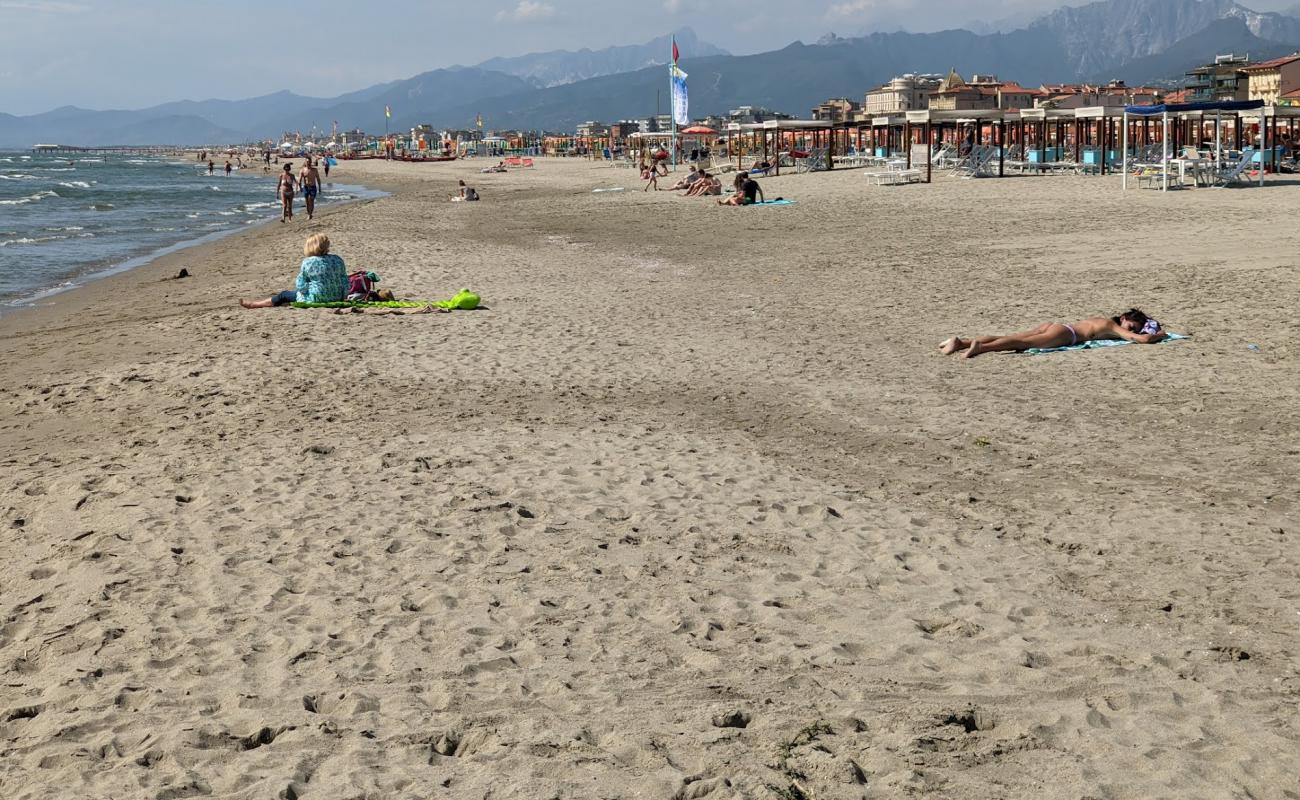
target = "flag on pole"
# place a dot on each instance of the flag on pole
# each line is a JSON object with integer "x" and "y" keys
{"x": 681, "y": 105}
{"x": 676, "y": 54}
{"x": 388, "y": 112}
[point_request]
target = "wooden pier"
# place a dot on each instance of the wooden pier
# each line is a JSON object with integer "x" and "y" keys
{"x": 125, "y": 149}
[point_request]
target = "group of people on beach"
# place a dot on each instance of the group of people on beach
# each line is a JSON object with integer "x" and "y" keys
{"x": 308, "y": 181}
{"x": 699, "y": 182}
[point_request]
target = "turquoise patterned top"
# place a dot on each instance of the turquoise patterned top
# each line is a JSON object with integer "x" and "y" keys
{"x": 322, "y": 279}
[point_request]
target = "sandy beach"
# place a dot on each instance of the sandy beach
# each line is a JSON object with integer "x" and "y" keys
{"x": 693, "y": 509}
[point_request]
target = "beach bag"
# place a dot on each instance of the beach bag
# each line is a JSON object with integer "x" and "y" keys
{"x": 361, "y": 286}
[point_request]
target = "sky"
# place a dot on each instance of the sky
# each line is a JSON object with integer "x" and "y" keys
{"x": 105, "y": 54}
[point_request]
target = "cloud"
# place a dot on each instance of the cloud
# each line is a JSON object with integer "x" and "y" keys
{"x": 672, "y": 6}
{"x": 527, "y": 11}
{"x": 50, "y": 7}
{"x": 862, "y": 8}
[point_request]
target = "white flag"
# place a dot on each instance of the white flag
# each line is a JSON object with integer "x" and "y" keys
{"x": 681, "y": 105}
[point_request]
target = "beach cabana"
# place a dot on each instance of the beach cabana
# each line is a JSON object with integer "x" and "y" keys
{"x": 1165, "y": 110}
{"x": 818, "y": 130}
{"x": 931, "y": 121}
{"x": 1095, "y": 135}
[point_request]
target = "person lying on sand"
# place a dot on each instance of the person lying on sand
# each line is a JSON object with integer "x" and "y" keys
{"x": 322, "y": 278}
{"x": 1132, "y": 325}
{"x": 690, "y": 180}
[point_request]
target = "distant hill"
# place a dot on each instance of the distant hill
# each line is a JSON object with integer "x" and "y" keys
{"x": 1105, "y": 35}
{"x": 1171, "y": 66}
{"x": 1136, "y": 40}
{"x": 559, "y": 67}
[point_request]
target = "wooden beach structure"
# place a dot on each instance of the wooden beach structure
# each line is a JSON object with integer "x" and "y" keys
{"x": 122, "y": 149}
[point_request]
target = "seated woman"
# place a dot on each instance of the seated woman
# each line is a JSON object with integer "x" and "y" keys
{"x": 1132, "y": 325}
{"x": 464, "y": 192}
{"x": 322, "y": 278}
{"x": 702, "y": 186}
{"x": 747, "y": 192}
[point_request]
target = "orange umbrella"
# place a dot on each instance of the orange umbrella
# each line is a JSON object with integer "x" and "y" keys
{"x": 703, "y": 129}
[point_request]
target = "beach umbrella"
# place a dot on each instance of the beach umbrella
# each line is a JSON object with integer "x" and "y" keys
{"x": 698, "y": 129}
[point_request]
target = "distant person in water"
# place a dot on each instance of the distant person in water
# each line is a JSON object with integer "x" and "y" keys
{"x": 1132, "y": 326}
{"x": 322, "y": 278}
{"x": 285, "y": 189}
{"x": 309, "y": 181}
{"x": 212, "y": 166}
{"x": 327, "y": 166}
{"x": 228, "y": 169}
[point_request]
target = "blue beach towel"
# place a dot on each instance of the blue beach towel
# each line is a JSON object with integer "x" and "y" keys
{"x": 1099, "y": 343}
{"x": 782, "y": 202}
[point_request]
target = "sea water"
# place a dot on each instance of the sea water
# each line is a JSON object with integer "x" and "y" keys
{"x": 65, "y": 219}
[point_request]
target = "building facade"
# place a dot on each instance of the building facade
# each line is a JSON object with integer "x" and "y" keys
{"x": 1271, "y": 80}
{"x": 1220, "y": 81}
{"x": 835, "y": 110}
{"x": 904, "y": 93}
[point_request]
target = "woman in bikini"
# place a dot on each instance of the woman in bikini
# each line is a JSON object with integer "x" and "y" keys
{"x": 286, "y": 188}
{"x": 1132, "y": 325}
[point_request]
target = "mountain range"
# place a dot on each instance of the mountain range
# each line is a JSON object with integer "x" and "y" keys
{"x": 1140, "y": 41}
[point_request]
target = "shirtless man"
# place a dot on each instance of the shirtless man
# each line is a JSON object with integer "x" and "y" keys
{"x": 309, "y": 181}
{"x": 1132, "y": 325}
{"x": 285, "y": 189}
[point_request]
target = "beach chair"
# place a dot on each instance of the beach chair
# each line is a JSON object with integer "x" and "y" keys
{"x": 978, "y": 164}
{"x": 815, "y": 162}
{"x": 514, "y": 161}
{"x": 946, "y": 156}
{"x": 526, "y": 162}
{"x": 1230, "y": 174}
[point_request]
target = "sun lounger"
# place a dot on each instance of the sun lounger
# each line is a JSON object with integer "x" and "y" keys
{"x": 1232, "y": 173}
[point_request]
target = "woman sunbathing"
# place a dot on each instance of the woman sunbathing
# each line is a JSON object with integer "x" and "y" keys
{"x": 1132, "y": 325}
{"x": 706, "y": 184}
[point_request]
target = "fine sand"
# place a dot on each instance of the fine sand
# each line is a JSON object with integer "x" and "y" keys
{"x": 693, "y": 509}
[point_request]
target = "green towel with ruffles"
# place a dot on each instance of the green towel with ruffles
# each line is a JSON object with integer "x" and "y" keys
{"x": 465, "y": 300}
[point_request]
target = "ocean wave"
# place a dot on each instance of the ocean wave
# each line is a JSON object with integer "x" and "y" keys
{"x": 31, "y": 240}
{"x": 55, "y": 169}
{"x": 31, "y": 198}
{"x": 19, "y": 177}
{"x": 67, "y": 228}
{"x": 102, "y": 206}
{"x": 75, "y": 184}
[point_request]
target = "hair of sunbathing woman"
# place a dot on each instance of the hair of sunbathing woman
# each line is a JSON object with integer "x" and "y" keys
{"x": 1133, "y": 314}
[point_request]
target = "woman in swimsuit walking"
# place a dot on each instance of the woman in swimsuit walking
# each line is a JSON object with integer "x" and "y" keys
{"x": 1132, "y": 325}
{"x": 286, "y": 188}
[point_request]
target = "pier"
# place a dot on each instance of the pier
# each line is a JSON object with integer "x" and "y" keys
{"x": 127, "y": 149}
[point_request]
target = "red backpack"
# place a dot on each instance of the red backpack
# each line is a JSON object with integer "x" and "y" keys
{"x": 361, "y": 286}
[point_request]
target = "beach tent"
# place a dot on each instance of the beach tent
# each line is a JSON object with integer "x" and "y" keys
{"x": 1165, "y": 109}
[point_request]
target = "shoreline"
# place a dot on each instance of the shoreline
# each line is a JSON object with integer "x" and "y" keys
{"x": 94, "y": 273}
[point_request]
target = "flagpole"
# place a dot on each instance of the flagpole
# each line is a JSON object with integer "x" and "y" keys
{"x": 672, "y": 105}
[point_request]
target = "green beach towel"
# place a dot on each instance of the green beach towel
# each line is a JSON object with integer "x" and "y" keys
{"x": 465, "y": 300}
